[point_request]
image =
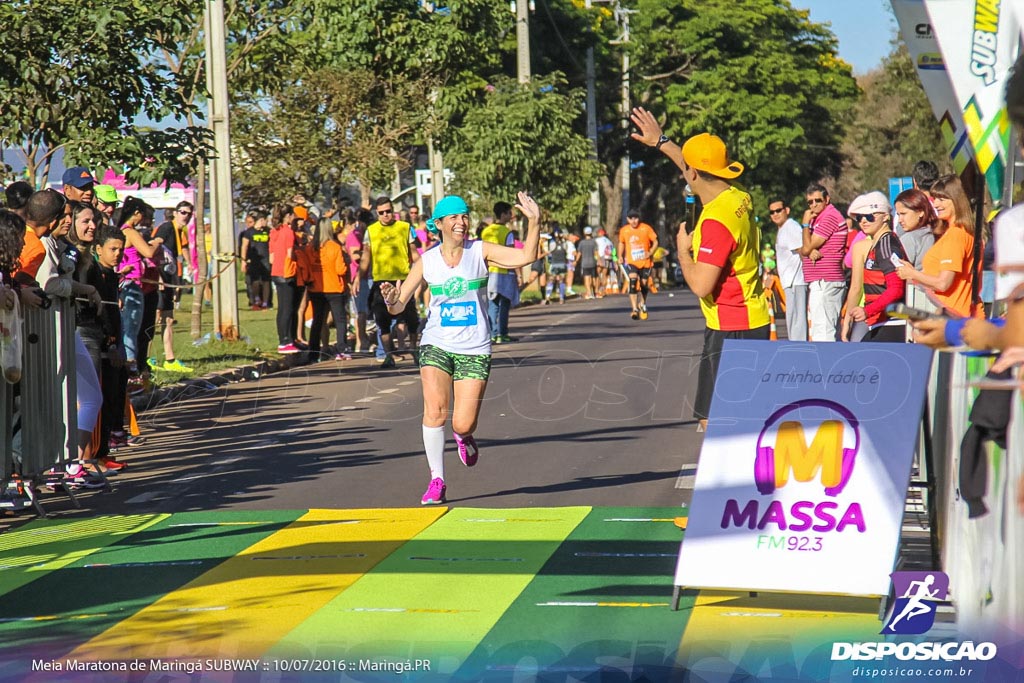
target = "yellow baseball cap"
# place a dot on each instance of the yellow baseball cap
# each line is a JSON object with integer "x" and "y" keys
{"x": 706, "y": 152}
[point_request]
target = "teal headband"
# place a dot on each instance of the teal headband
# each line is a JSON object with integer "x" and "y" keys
{"x": 449, "y": 206}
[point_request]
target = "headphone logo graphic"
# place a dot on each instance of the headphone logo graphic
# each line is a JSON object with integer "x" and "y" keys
{"x": 769, "y": 473}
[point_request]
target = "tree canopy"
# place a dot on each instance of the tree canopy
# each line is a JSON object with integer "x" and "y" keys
{"x": 521, "y": 138}
{"x": 757, "y": 73}
{"x": 893, "y": 126}
{"x": 78, "y": 79}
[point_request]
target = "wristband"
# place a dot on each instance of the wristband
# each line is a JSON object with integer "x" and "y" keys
{"x": 954, "y": 328}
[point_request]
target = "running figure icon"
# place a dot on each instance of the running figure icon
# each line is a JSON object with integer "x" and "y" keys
{"x": 913, "y": 611}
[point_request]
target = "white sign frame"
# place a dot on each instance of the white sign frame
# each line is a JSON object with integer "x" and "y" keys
{"x": 846, "y": 535}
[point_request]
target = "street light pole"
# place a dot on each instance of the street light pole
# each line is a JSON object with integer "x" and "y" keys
{"x": 225, "y": 289}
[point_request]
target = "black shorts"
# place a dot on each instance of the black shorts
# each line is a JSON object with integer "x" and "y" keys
{"x": 538, "y": 267}
{"x": 559, "y": 268}
{"x": 710, "y": 356}
{"x": 410, "y": 316}
{"x": 588, "y": 270}
{"x": 257, "y": 272}
{"x": 642, "y": 273}
{"x": 165, "y": 302}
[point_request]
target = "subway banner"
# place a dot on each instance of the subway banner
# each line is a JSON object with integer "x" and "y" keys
{"x": 804, "y": 469}
{"x": 978, "y": 61}
{"x": 919, "y": 37}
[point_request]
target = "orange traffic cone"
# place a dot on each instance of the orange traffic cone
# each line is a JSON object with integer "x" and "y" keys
{"x": 773, "y": 333}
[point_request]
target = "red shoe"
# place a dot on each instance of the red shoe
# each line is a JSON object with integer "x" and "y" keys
{"x": 111, "y": 465}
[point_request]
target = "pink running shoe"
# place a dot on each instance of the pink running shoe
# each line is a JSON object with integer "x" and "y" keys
{"x": 468, "y": 450}
{"x": 435, "y": 492}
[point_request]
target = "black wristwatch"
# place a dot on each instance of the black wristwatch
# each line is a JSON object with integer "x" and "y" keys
{"x": 661, "y": 141}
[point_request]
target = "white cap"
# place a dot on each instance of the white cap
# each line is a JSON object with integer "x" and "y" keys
{"x": 872, "y": 202}
{"x": 588, "y": 230}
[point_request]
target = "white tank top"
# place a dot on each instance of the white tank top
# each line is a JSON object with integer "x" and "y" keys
{"x": 457, "y": 320}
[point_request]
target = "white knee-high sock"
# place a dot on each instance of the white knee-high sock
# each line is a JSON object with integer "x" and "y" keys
{"x": 433, "y": 444}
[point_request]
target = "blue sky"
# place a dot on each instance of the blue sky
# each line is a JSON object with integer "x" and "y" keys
{"x": 864, "y": 28}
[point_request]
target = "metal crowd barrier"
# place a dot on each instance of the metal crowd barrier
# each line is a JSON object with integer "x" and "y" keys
{"x": 984, "y": 557}
{"x": 48, "y": 405}
{"x": 47, "y": 408}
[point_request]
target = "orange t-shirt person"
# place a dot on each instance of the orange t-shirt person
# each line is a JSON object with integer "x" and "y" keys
{"x": 636, "y": 240}
{"x": 32, "y": 254}
{"x": 953, "y": 252}
{"x": 329, "y": 268}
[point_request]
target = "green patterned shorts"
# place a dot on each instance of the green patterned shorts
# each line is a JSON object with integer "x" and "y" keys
{"x": 458, "y": 365}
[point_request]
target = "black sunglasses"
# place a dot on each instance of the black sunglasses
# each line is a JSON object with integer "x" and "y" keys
{"x": 385, "y": 212}
{"x": 775, "y": 211}
{"x": 812, "y": 202}
{"x": 858, "y": 217}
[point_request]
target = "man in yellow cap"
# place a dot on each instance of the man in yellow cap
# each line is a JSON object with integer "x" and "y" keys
{"x": 720, "y": 259}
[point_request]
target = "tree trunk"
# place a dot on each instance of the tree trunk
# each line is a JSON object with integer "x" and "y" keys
{"x": 197, "y": 292}
{"x": 611, "y": 188}
{"x": 364, "y": 194}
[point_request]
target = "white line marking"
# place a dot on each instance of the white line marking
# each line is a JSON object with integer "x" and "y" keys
{"x": 644, "y": 519}
{"x": 388, "y": 391}
{"x": 602, "y": 604}
{"x": 368, "y": 399}
{"x": 687, "y": 477}
{"x": 144, "y": 498}
{"x": 405, "y": 384}
{"x": 185, "y": 524}
{"x": 626, "y": 554}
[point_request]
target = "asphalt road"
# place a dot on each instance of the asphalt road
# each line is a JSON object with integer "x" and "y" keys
{"x": 587, "y": 408}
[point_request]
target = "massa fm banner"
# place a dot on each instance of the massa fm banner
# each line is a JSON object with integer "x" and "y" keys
{"x": 804, "y": 469}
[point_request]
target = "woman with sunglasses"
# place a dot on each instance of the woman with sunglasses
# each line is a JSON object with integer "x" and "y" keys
{"x": 455, "y": 349}
{"x": 877, "y": 270}
{"x": 948, "y": 268}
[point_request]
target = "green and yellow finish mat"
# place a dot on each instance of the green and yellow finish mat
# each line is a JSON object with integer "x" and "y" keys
{"x": 427, "y": 593}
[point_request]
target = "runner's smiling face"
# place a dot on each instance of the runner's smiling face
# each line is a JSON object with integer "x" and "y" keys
{"x": 456, "y": 226}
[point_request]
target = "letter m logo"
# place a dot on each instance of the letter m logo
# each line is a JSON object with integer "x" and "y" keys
{"x": 825, "y": 454}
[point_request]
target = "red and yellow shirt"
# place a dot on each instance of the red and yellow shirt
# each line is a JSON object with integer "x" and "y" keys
{"x": 727, "y": 237}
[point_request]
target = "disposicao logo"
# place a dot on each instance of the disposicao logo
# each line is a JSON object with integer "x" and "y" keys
{"x": 913, "y": 611}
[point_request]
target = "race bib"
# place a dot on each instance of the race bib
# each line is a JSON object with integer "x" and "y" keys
{"x": 637, "y": 254}
{"x": 461, "y": 314}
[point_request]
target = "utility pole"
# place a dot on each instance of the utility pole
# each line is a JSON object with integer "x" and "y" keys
{"x": 523, "y": 40}
{"x": 594, "y": 205}
{"x": 436, "y": 173}
{"x": 225, "y": 290}
{"x": 622, "y": 14}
